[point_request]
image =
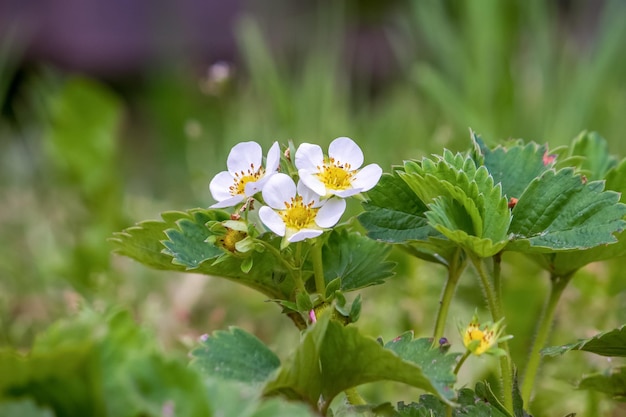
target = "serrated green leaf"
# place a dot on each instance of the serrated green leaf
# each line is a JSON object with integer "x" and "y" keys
{"x": 616, "y": 180}
{"x": 565, "y": 263}
{"x": 333, "y": 358}
{"x": 559, "y": 211}
{"x": 516, "y": 166}
{"x": 594, "y": 153}
{"x": 610, "y": 343}
{"x": 464, "y": 204}
{"x": 470, "y": 405}
{"x": 436, "y": 363}
{"x": 356, "y": 259}
{"x": 235, "y": 355}
{"x": 144, "y": 243}
{"x": 612, "y": 382}
{"x": 187, "y": 242}
{"x": 394, "y": 213}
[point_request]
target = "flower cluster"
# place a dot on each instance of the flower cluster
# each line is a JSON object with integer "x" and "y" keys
{"x": 299, "y": 208}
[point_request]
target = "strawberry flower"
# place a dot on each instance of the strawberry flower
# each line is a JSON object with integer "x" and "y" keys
{"x": 296, "y": 212}
{"x": 338, "y": 173}
{"x": 245, "y": 175}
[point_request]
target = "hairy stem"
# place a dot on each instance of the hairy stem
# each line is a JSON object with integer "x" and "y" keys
{"x": 455, "y": 269}
{"x": 318, "y": 268}
{"x": 353, "y": 397}
{"x": 495, "y": 307}
{"x": 544, "y": 325}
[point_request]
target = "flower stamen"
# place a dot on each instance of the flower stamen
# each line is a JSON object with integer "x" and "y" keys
{"x": 335, "y": 175}
{"x": 298, "y": 215}
{"x": 242, "y": 178}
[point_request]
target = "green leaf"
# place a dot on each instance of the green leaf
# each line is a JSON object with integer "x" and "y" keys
{"x": 332, "y": 358}
{"x": 470, "y": 405}
{"x": 464, "y": 204}
{"x": 300, "y": 376}
{"x": 23, "y": 408}
{"x": 189, "y": 252}
{"x": 394, "y": 213}
{"x": 612, "y": 383}
{"x": 234, "y": 399}
{"x": 566, "y": 263}
{"x": 594, "y": 153}
{"x": 435, "y": 363}
{"x": 234, "y": 355}
{"x": 559, "y": 211}
{"x": 110, "y": 366}
{"x": 356, "y": 259}
{"x": 187, "y": 241}
{"x": 514, "y": 167}
{"x": 616, "y": 180}
{"x": 611, "y": 343}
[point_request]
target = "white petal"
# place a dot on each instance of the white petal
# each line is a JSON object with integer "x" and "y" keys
{"x": 273, "y": 159}
{"x": 309, "y": 157}
{"x": 279, "y": 189}
{"x": 220, "y": 186}
{"x": 346, "y": 193}
{"x": 244, "y": 155}
{"x": 229, "y": 202}
{"x": 307, "y": 194}
{"x": 312, "y": 182}
{"x": 330, "y": 213}
{"x": 367, "y": 177}
{"x": 345, "y": 150}
{"x": 272, "y": 220}
{"x": 304, "y": 234}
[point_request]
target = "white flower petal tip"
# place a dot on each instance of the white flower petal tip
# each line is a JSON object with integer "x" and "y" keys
{"x": 246, "y": 175}
{"x": 339, "y": 173}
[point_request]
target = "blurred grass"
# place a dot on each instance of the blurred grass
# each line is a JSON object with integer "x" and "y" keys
{"x": 78, "y": 163}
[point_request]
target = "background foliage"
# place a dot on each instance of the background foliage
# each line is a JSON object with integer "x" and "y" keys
{"x": 81, "y": 159}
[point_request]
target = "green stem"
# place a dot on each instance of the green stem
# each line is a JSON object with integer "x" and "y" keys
{"x": 457, "y": 368}
{"x": 353, "y": 397}
{"x": 454, "y": 272}
{"x": 295, "y": 274}
{"x": 544, "y": 324}
{"x": 318, "y": 268}
{"x": 495, "y": 307}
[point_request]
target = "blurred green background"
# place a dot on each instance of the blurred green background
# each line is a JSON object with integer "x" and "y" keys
{"x": 87, "y": 150}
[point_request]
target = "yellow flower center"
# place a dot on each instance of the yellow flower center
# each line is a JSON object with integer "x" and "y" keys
{"x": 335, "y": 175}
{"x": 484, "y": 337}
{"x": 298, "y": 215}
{"x": 230, "y": 239}
{"x": 244, "y": 177}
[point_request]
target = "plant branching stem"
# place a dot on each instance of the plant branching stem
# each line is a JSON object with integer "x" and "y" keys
{"x": 290, "y": 268}
{"x": 544, "y": 325}
{"x": 454, "y": 272}
{"x": 495, "y": 307}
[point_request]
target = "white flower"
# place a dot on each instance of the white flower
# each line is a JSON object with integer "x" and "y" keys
{"x": 339, "y": 173}
{"x": 246, "y": 175}
{"x": 297, "y": 212}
